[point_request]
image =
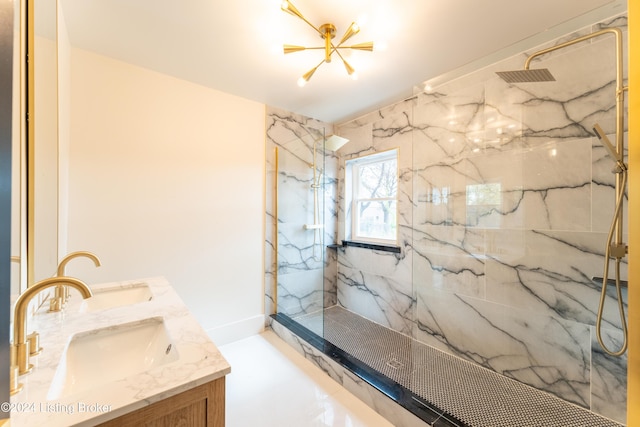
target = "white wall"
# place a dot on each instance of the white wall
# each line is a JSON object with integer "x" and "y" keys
{"x": 167, "y": 178}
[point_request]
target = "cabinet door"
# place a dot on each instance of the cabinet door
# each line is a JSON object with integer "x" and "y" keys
{"x": 202, "y": 406}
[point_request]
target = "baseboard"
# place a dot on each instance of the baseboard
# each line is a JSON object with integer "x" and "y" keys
{"x": 237, "y": 330}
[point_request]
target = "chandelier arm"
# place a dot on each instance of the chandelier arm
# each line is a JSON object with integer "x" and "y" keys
{"x": 335, "y": 49}
{"x": 307, "y": 76}
{"x": 360, "y": 46}
{"x": 292, "y": 10}
{"x": 310, "y": 48}
{"x": 350, "y": 69}
{"x": 321, "y": 62}
{"x": 313, "y": 70}
{"x": 311, "y": 25}
{"x": 353, "y": 29}
{"x": 338, "y": 46}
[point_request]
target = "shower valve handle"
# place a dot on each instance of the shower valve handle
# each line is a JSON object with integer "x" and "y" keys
{"x": 618, "y": 250}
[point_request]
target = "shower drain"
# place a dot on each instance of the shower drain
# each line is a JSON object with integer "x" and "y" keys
{"x": 395, "y": 364}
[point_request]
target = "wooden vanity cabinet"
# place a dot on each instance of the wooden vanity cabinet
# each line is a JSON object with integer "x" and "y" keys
{"x": 202, "y": 406}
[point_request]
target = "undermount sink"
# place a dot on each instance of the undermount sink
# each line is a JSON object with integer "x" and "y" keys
{"x": 98, "y": 357}
{"x": 103, "y": 299}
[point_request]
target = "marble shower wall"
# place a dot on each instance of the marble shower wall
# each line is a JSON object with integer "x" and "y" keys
{"x": 506, "y": 198}
{"x": 306, "y": 280}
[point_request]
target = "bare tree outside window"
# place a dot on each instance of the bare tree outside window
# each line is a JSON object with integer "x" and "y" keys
{"x": 375, "y": 197}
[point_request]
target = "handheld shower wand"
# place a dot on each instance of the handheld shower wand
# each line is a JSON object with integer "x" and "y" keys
{"x": 607, "y": 144}
{"x": 330, "y": 143}
{"x": 614, "y": 248}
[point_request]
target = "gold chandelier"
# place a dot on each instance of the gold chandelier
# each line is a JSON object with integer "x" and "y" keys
{"x": 327, "y": 32}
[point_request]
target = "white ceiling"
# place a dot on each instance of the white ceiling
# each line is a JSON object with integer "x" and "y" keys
{"x": 236, "y": 46}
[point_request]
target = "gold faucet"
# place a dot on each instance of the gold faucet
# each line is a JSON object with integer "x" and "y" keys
{"x": 62, "y": 293}
{"x": 20, "y": 339}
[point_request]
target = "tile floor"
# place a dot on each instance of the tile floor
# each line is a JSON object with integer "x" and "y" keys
{"x": 271, "y": 385}
{"x": 468, "y": 391}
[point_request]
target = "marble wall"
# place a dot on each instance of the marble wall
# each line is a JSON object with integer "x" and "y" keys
{"x": 505, "y": 201}
{"x": 306, "y": 270}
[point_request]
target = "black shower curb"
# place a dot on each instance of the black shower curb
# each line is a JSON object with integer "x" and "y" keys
{"x": 404, "y": 397}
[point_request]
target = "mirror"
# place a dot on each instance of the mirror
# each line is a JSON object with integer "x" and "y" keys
{"x": 34, "y": 232}
{"x": 26, "y": 83}
{"x": 42, "y": 167}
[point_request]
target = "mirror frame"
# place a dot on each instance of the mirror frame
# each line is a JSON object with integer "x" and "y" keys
{"x": 30, "y": 142}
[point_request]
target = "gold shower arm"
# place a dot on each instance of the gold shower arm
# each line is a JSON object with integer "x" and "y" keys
{"x": 619, "y": 76}
{"x": 615, "y": 31}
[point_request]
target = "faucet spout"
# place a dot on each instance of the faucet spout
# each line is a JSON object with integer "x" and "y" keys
{"x": 20, "y": 314}
{"x": 61, "y": 293}
{"x": 63, "y": 264}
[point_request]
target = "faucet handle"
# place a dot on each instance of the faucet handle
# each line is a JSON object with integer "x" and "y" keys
{"x": 22, "y": 359}
{"x": 34, "y": 343}
{"x": 55, "y": 304}
{"x": 15, "y": 387}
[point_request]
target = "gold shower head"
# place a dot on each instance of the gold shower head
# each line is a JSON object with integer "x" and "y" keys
{"x": 334, "y": 142}
{"x": 526, "y": 76}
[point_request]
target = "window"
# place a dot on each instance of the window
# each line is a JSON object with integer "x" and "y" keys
{"x": 374, "y": 197}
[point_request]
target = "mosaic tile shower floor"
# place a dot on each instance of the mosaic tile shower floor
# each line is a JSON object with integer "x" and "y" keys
{"x": 474, "y": 395}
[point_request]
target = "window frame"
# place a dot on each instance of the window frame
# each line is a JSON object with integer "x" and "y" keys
{"x": 352, "y": 168}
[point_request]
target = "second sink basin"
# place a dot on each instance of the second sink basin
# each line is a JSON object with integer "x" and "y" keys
{"x": 103, "y": 299}
{"x": 101, "y": 356}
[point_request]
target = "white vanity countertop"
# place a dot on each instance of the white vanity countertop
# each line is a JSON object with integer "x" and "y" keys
{"x": 199, "y": 361}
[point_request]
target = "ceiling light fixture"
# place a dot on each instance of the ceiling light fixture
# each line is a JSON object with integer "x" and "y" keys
{"x": 328, "y": 33}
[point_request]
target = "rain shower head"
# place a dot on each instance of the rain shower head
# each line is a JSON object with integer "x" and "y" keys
{"x": 526, "y": 76}
{"x": 334, "y": 142}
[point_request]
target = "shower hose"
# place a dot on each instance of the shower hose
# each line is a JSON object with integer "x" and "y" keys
{"x": 618, "y": 259}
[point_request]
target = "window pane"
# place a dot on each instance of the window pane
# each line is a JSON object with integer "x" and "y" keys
{"x": 379, "y": 179}
{"x": 377, "y": 219}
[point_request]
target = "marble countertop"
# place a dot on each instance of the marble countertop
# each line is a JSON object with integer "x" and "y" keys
{"x": 198, "y": 362}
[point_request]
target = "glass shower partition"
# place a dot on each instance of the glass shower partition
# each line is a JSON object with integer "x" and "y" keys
{"x": 301, "y": 250}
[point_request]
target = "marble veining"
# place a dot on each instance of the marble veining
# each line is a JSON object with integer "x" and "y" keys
{"x": 303, "y": 285}
{"x": 198, "y": 361}
{"x": 393, "y": 300}
{"x": 505, "y": 201}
